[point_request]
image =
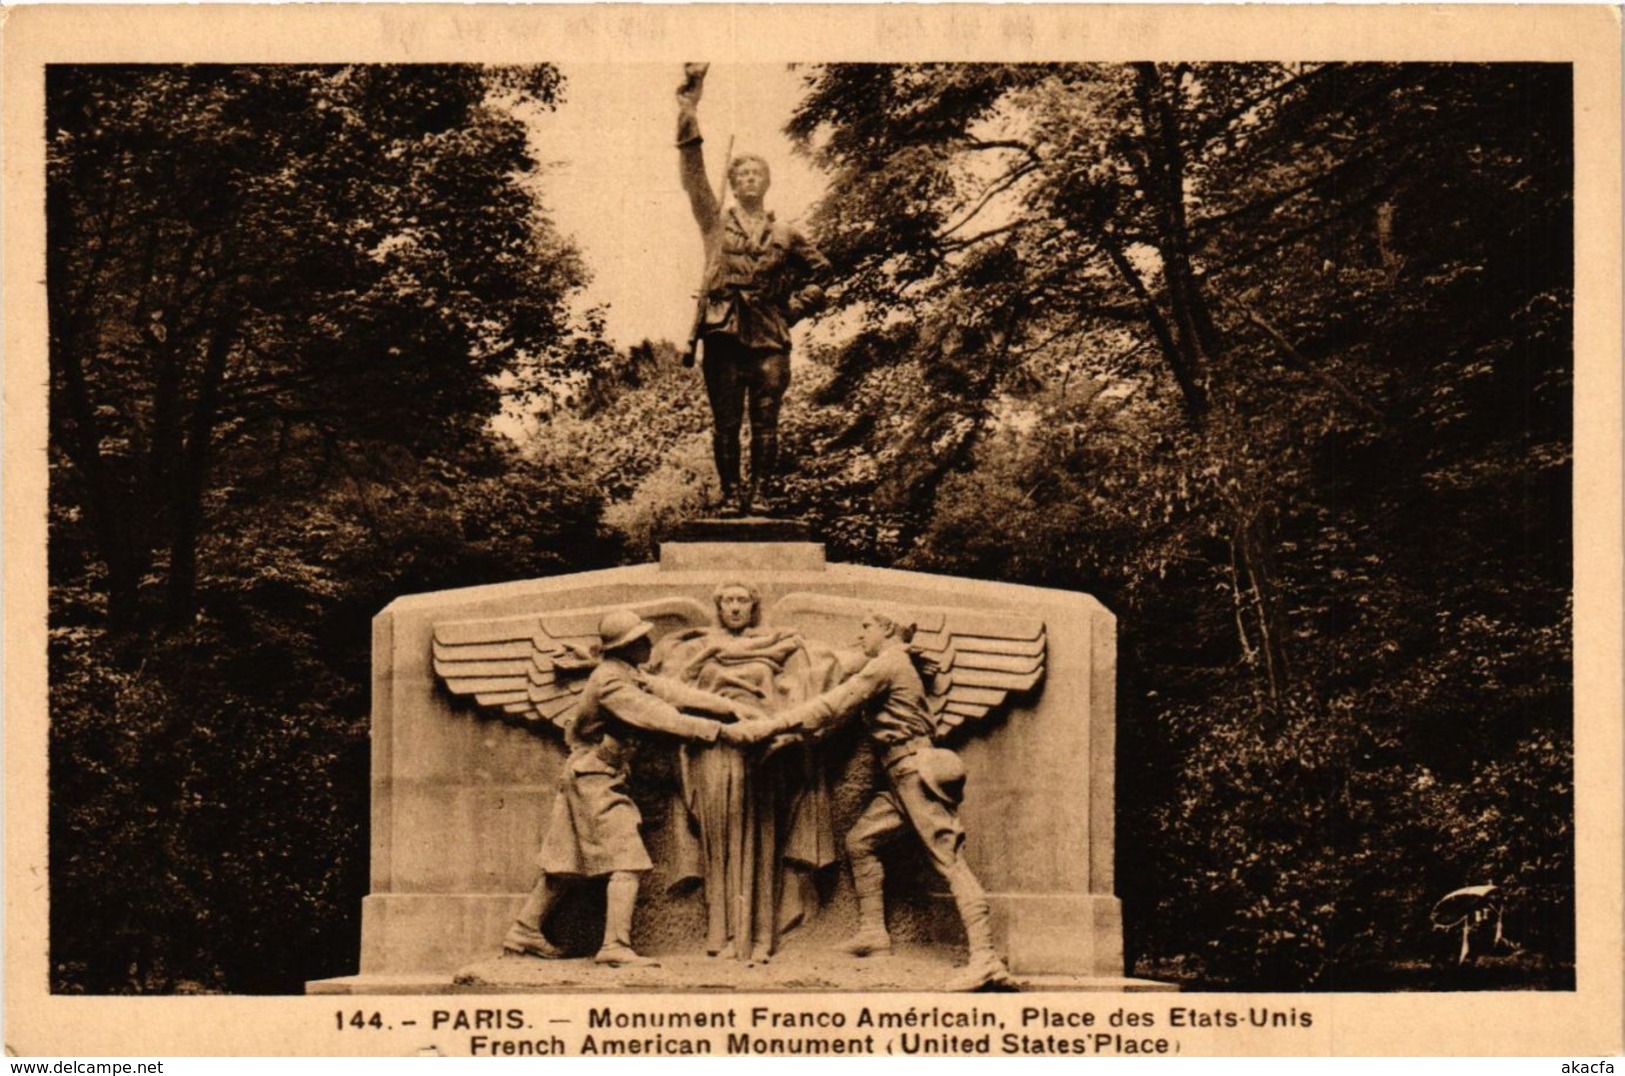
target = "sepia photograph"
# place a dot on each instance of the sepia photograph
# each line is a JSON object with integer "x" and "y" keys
{"x": 1064, "y": 552}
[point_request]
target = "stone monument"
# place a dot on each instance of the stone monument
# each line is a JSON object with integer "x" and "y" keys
{"x": 470, "y": 685}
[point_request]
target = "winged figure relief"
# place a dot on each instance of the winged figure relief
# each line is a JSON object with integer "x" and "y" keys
{"x": 531, "y": 669}
{"x": 971, "y": 661}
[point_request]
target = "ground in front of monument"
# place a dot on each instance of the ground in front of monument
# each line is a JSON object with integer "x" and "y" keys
{"x": 910, "y": 968}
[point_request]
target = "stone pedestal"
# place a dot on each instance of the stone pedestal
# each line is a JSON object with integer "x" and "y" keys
{"x": 460, "y": 799}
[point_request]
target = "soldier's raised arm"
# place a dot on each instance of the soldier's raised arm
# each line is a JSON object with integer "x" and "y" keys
{"x": 690, "y": 148}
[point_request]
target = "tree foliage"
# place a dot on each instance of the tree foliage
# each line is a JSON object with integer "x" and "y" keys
{"x": 1276, "y": 360}
{"x": 282, "y": 302}
{"x": 249, "y": 265}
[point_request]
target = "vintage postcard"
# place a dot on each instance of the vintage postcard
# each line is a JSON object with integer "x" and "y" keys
{"x": 812, "y": 531}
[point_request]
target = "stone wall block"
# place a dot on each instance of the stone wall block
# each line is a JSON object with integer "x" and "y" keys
{"x": 461, "y": 799}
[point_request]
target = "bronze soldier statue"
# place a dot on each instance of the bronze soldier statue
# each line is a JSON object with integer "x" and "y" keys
{"x": 760, "y": 278}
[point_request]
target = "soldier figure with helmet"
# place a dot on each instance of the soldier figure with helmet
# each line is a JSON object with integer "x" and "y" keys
{"x": 593, "y": 832}
{"x": 924, "y": 785}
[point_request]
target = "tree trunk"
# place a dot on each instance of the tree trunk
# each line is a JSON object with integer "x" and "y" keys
{"x": 1195, "y": 335}
{"x": 1257, "y": 592}
{"x": 1191, "y": 390}
{"x": 192, "y": 475}
{"x": 73, "y": 411}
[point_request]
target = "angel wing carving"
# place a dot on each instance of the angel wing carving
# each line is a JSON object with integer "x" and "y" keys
{"x": 531, "y": 669}
{"x": 977, "y": 661}
{"x": 971, "y": 660}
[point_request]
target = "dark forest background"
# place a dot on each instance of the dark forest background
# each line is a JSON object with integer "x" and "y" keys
{"x": 1275, "y": 360}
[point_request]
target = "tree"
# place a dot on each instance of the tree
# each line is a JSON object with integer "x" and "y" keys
{"x": 285, "y": 303}
{"x": 246, "y": 263}
{"x": 1275, "y": 359}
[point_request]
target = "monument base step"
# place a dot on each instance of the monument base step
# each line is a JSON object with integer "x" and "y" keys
{"x": 909, "y": 970}
{"x": 741, "y": 529}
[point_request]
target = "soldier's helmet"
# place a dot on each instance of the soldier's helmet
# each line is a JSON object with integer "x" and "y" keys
{"x": 620, "y": 627}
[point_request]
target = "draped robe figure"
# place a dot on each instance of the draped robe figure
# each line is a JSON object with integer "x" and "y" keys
{"x": 758, "y": 825}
